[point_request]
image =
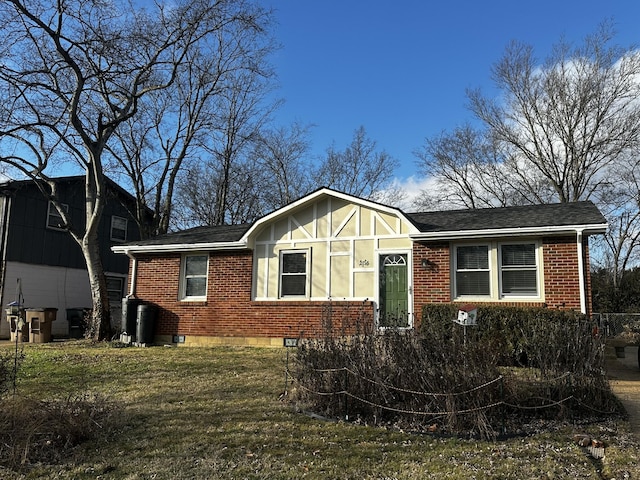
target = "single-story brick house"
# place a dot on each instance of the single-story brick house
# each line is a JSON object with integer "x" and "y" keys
{"x": 280, "y": 276}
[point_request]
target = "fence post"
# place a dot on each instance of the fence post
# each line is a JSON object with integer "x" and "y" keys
{"x": 286, "y": 374}
{"x": 346, "y": 396}
{"x": 502, "y": 426}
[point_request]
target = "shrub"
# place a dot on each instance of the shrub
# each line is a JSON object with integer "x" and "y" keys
{"x": 554, "y": 341}
{"x": 517, "y": 363}
{"x": 37, "y": 431}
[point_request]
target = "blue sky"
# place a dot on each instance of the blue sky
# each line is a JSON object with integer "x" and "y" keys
{"x": 401, "y": 69}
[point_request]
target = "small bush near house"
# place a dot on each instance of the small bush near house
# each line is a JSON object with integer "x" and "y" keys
{"x": 554, "y": 341}
{"x": 516, "y": 365}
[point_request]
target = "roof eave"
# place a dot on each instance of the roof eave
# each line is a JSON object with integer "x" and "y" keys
{"x": 179, "y": 247}
{"x": 590, "y": 229}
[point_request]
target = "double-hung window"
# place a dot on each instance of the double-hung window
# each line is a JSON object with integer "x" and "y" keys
{"x": 118, "y": 229}
{"x": 294, "y": 269}
{"x": 194, "y": 277}
{"x": 54, "y": 219}
{"x": 518, "y": 269}
{"x": 497, "y": 270}
{"x": 472, "y": 272}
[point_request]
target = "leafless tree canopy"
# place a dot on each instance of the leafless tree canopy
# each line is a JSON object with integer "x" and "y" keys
{"x": 198, "y": 127}
{"x": 275, "y": 171}
{"x": 560, "y": 130}
{"x": 361, "y": 169}
{"x": 73, "y": 73}
{"x": 269, "y": 169}
{"x": 467, "y": 165}
{"x": 568, "y": 119}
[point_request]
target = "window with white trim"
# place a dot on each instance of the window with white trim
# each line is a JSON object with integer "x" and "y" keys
{"x": 497, "y": 270}
{"x": 54, "y": 219}
{"x": 194, "y": 277}
{"x": 473, "y": 276}
{"x": 518, "y": 269}
{"x": 294, "y": 267}
{"x": 118, "y": 229}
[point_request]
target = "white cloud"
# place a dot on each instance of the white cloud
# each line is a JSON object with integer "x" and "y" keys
{"x": 411, "y": 187}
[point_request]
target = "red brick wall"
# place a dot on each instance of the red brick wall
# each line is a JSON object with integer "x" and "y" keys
{"x": 229, "y": 310}
{"x": 432, "y": 283}
{"x": 562, "y": 278}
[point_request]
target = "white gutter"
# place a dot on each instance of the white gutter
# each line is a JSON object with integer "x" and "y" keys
{"x": 501, "y": 232}
{"x": 177, "y": 247}
{"x": 583, "y": 293}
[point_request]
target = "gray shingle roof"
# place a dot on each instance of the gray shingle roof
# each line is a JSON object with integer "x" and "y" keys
{"x": 216, "y": 234}
{"x": 550, "y": 215}
{"x": 553, "y": 215}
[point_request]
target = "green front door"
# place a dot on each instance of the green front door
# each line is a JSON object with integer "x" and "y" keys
{"x": 394, "y": 291}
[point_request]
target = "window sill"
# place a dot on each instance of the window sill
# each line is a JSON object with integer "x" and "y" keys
{"x": 502, "y": 299}
{"x": 194, "y": 301}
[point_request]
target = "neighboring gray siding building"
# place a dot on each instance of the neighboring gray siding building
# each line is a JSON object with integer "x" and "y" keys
{"x": 45, "y": 258}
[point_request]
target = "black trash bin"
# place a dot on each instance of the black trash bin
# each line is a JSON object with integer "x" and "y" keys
{"x": 145, "y": 324}
{"x": 129, "y": 316}
{"x": 77, "y": 321}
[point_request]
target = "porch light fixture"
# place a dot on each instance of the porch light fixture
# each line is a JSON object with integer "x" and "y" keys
{"x": 427, "y": 264}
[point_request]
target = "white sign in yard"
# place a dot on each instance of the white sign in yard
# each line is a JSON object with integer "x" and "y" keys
{"x": 467, "y": 315}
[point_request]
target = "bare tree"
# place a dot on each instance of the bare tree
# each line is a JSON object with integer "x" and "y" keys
{"x": 72, "y": 73}
{"x": 619, "y": 199}
{"x": 562, "y": 130}
{"x": 199, "y": 124}
{"x": 360, "y": 169}
{"x": 573, "y": 123}
{"x": 222, "y": 186}
{"x": 241, "y": 119}
{"x": 568, "y": 119}
{"x": 251, "y": 172}
{"x": 468, "y": 168}
{"x": 197, "y": 202}
{"x": 283, "y": 166}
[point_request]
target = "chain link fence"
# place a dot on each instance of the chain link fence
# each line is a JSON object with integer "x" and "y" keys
{"x": 617, "y": 324}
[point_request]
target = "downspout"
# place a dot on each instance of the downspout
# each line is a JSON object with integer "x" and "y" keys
{"x": 6, "y": 209}
{"x": 134, "y": 275}
{"x": 583, "y": 293}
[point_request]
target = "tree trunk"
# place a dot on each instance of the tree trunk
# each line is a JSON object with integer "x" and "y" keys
{"x": 99, "y": 324}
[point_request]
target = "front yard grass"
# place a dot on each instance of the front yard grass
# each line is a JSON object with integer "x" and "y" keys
{"x": 209, "y": 413}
